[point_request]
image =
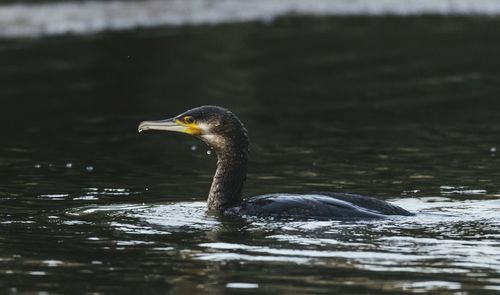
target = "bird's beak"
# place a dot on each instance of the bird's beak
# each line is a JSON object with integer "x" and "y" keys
{"x": 165, "y": 125}
{"x": 170, "y": 125}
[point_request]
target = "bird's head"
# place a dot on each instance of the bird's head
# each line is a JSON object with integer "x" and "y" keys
{"x": 217, "y": 126}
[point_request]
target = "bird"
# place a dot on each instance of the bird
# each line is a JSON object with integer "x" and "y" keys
{"x": 226, "y": 135}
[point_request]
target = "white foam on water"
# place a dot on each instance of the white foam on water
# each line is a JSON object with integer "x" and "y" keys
{"x": 86, "y": 17}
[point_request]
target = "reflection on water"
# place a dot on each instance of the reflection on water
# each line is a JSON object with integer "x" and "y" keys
{"x": 88, "y": 204}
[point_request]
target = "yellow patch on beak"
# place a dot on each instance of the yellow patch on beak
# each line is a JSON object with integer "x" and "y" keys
{"x": 191, "y": 128}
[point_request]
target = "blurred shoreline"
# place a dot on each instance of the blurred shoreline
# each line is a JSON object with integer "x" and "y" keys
{"x": 21, "y": 20}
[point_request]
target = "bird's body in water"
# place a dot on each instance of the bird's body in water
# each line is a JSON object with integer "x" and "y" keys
{"x": 226, "y": 135}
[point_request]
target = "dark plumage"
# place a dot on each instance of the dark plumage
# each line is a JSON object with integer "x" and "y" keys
{"x": 225, "y": 133}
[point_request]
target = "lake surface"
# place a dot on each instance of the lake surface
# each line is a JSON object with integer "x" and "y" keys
{"x": 404, "y": 109}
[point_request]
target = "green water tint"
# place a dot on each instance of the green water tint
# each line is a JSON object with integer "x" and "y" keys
{"x": 401, "y": 109}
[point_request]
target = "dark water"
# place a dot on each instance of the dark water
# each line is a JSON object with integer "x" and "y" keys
{"x": 402, "y": 109}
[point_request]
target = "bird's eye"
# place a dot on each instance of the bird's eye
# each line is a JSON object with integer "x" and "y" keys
{"x": 188, "y": 119}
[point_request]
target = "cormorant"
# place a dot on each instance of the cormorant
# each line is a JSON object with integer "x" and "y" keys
{"x": 226, "y": 135}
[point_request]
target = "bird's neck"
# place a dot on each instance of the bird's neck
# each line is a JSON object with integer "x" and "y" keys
{"x": 229, "y": 178}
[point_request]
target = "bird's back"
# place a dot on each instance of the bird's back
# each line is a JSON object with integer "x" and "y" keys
{"x": 325, "y": 205}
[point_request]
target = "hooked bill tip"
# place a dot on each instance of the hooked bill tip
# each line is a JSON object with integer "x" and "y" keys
{"x": 141, "y": 127}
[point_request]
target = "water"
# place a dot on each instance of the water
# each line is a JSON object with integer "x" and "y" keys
{"x": 33, "y": 18}
{"x": 404, "y": 109}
